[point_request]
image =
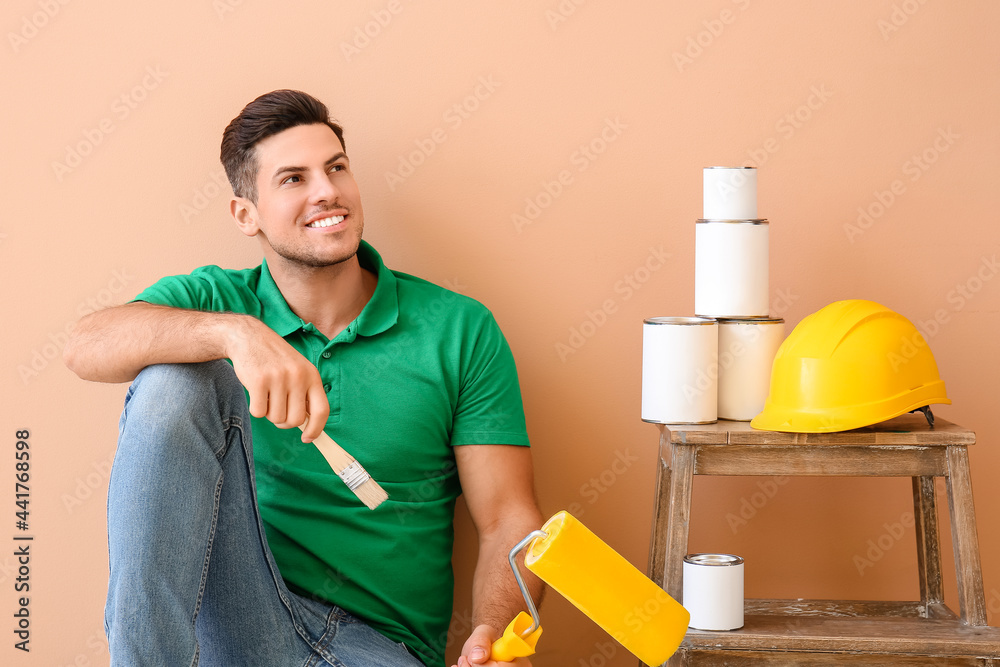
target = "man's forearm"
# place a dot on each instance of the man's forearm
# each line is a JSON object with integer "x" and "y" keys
{"x": 114, "y": 344}
{"x": 496, "y": 598}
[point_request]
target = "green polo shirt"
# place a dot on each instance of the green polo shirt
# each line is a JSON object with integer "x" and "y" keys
{"x": 421, "y": 370}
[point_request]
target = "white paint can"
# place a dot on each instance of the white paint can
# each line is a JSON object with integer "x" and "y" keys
{"x": 680, "y": 370}
{"x": 746, "y": 355}
{"x": 731, "y": 268}
{"x": 730, "y": 193}
{"x": 713, "y": 591}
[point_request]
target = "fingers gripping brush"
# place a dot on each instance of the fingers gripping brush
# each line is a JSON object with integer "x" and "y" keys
{"x": 600, "y": 583}
{"x": 350, "y": 471}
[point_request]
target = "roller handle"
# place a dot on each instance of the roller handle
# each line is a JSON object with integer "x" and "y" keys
{"x": 511, "y": 644}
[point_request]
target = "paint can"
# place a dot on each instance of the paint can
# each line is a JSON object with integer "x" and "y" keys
{"x": 731, "y": 268}
{"x": 730, "y": 193}
{"x": 746, "y": 355}
{"x": 713, "y": 591}
{"x": 680, "y": 370}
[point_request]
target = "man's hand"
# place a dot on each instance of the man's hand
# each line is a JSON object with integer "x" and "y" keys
{"x": 476, "y": 652}
{"x": 284, "y": 386}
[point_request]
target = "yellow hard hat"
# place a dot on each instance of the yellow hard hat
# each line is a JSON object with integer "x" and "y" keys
{"x": 851, "y": 364}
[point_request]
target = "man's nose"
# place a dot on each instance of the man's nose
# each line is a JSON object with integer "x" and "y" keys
{"x": 323, "y": 189}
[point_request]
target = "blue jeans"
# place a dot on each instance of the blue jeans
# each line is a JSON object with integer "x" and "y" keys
{"x": 192, "y": 578}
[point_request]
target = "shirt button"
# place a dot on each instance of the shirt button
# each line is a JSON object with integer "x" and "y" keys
{"x": 327, "y": 355}
{"x": 326, "y": 387}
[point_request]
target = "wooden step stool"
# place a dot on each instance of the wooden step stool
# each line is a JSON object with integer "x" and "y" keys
{"x": 828, "y": 632}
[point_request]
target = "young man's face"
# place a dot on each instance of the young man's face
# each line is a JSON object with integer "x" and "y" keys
{"x": 308, "y": 209}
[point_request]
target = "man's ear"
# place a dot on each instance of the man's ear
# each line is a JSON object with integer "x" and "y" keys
{"x": 245, "y": 214}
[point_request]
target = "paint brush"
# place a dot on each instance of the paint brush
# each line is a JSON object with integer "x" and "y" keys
{"x": 350, "y": 471}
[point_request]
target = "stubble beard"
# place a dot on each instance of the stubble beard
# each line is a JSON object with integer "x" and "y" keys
{"x": 306, "y": 257}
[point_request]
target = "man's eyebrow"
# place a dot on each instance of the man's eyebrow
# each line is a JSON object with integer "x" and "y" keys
{"x": 335, "y": 158}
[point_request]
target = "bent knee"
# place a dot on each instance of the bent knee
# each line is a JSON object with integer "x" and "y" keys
{"x": 181, "y": 389}
{"x": 197, "y": 373}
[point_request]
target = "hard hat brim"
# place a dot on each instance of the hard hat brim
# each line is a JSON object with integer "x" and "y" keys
{"x": 796, "y": 420}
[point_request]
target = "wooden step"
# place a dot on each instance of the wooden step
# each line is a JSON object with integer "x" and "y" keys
{"x": 858, "y": 627}
{"x": 696, "y": 658}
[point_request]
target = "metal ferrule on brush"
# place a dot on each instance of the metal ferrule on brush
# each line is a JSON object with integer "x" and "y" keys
{"x": 354, "y": 475}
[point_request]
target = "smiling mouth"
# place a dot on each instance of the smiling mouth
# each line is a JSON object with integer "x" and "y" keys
{"x": 327, "y": 222}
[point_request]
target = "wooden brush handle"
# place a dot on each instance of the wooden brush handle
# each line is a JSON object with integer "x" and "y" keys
{"x": 334, "y": 454}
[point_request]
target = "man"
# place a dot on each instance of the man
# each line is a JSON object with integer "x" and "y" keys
{"x": 258, "y": 554}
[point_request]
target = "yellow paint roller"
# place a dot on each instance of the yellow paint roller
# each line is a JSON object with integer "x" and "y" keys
{"x": 602, "y": 584}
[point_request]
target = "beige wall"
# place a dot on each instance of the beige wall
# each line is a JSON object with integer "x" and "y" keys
{"x": 843, "y": 99}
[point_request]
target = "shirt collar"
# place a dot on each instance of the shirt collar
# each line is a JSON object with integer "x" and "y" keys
{"x": 380, "y": 313}
{"x": 274, "y": 310}
{"x": 382, "y": 310}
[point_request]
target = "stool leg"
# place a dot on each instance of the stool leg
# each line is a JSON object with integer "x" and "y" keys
{"x": 679, "y": 514}
{"x": 968, "y": 568}
{"x": 658, "y": 538}
{"x": 928, "y": 546}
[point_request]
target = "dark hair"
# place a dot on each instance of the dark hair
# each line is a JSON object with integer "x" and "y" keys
{"x": 267, "y": 115}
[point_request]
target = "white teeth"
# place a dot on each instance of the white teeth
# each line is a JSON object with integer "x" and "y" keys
{"x": 326, "y": 222}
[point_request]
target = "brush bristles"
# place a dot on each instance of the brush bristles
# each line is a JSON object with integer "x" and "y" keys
{"x": 371, "y": 494}
{"x": 351, "y": 472}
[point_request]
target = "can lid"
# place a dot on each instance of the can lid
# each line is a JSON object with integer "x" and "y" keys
{"x": 748, "y": 221}
{"x": 682, "y": 321}
{"x": 750, "y": 320}
{"x": 713, "y": 559}
{"x": 730, "y": 167}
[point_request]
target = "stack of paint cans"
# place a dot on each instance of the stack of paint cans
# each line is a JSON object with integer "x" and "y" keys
{"x": 717, "y": 365}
